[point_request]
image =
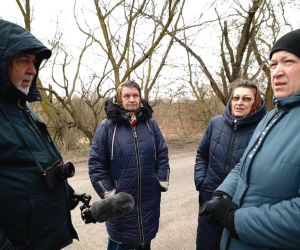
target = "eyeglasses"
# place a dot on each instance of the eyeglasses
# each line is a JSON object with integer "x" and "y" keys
{"x": 244, "y": 98}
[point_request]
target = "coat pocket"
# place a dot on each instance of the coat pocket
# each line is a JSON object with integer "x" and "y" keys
{"x": 203, "y": 186}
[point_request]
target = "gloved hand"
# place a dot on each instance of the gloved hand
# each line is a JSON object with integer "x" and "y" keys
{"x": 206, "y": 215}
{"x": 223, "y": 211}
{"x": 73, "y": 201}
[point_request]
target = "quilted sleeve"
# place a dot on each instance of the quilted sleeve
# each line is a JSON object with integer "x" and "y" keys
{"x": 99, "y": 161}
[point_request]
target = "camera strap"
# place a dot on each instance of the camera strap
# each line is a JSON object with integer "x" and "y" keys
{"x": 45, "y": 134}
{"x": 22, "y": 140}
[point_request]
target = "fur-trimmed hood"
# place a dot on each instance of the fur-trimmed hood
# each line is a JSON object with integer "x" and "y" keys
{"x": 116, "y": 115}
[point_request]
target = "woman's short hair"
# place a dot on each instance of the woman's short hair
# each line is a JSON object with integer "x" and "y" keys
{"x": 243, "y": 84}
{"x": 130, "y": 84}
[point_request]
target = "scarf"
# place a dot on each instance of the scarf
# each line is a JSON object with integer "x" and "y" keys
{"x": 257, "y": 103}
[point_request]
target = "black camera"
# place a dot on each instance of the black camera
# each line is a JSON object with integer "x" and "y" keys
{"x": 57, "y": 172}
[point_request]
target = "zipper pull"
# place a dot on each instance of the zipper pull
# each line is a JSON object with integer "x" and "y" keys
{"x": 134, "y": 131}
{"x": 235, "y": 125}
{"x": 276, "y": 106}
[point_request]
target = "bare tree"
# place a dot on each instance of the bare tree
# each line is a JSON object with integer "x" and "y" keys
{"x": 124, "y": 55}
{"x": 243, "y": 32}
{"x": 133, "y": 40}
{"x": 54, "y": 114}
{"x": 80, "y": 98}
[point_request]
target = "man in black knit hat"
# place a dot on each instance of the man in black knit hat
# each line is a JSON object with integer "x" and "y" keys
{"x": 259, "y": 201}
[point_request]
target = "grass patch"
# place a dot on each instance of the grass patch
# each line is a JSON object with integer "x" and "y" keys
{"x": 83, "y": 151}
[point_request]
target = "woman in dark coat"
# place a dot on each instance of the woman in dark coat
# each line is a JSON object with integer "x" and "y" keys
{"x": 221, "y": 148}
{"x": 129, "y": 154}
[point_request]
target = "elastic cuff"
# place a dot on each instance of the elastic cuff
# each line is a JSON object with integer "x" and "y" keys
{"x": 221, "y": 195}
{"x": 230, "y": 225}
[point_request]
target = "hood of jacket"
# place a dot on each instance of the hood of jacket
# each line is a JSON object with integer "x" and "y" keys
{"x": 15, "y": 39}
{"x": 253, "y": 118}
{"x": 116, "y": 115}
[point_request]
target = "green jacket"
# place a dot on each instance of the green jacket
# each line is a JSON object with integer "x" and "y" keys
{"x": 265, "y": 184}
{"x": 32, "y": 216}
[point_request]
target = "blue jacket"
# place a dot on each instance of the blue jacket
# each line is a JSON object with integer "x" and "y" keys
{"x": 265, "y": 184}
{"x": 133, "y": 161}
{"x": 32, "y": 216}
{"x": 221, "y": 148}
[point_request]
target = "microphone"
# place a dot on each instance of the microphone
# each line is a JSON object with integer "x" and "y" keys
{"x": 112, "y": 207}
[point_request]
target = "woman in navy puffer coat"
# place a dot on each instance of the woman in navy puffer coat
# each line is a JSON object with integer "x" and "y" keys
{"x": 221, "y": 148}
{"x": 132, "y": 159}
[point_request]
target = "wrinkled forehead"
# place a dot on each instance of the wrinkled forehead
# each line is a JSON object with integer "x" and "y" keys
{"x": 243, "y": 91}
{"x": 23, "y": 55}
{"x": 282, "y": 54}
{"x": 129, "y": 90}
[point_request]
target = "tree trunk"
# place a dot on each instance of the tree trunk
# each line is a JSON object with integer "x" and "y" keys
{"x": 57, "y": 118}
{"x": 48, "y": 109}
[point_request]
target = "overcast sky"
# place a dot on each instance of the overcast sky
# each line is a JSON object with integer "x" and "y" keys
{"x": 45, "y": 16}
{"x": 47, "y": 13}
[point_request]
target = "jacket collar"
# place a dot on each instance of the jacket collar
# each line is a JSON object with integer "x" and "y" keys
{"x": 288, "y": 101}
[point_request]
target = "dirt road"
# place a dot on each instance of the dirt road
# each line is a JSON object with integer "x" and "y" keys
{"x": 179, "y": 207}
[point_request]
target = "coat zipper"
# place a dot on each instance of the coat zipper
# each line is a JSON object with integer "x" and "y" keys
{"x": 139, "y": 198}
{"x": 230, "y": 150}
{"x": 254, "y": 145}
{"x": 260, "y": 133}
{"x": 154, "y": 146}
{"x": 112, "y": 143}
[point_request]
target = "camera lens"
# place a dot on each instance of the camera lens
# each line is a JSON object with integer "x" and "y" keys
{"x": 69, "y": 170}
{"x": 66, "y": 170}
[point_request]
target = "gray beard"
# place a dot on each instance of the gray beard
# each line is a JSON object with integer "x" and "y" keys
{"x": 24, "y": 90}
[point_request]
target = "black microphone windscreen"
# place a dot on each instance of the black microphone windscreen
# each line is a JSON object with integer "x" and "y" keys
{"x": 112, "y": 207}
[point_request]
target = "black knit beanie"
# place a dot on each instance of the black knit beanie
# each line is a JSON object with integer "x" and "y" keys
{"x": 289, "y": 42}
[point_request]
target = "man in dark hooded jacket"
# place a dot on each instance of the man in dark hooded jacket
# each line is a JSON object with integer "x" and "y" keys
{"x": 129, "y": 154}
{"x": 32, "y": 214}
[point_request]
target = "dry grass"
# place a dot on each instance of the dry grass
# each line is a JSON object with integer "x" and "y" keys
{"x": 181, "y": 124}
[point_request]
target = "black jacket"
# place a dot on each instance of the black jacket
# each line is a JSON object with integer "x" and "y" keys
{"x": 32, "y": 216}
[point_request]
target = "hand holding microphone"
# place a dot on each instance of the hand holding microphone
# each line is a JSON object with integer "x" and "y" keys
{"x": 110, "y": 208}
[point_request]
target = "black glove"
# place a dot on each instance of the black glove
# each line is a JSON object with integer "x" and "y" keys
{"x": 223, "y": 211}
{"x": 73, "y": 201}
{"x": 206, "y": 215}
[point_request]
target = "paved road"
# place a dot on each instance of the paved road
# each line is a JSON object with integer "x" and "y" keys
{"x": 179, "y": 209}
